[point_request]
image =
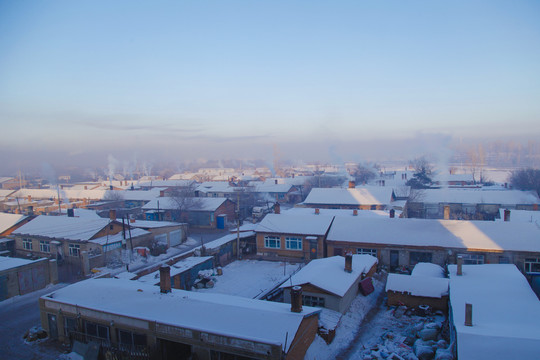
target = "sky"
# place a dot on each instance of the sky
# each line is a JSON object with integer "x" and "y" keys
{"x": 231, "y": 79}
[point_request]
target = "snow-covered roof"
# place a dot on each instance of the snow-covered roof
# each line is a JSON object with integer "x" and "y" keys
{"x": 177, "y": 268}
{"x": 167, "y": 183}
{"x": 256, "y": 320}
{"x": 198, "y": 204}
{"x": 88, "y": 194}
{"x": 295, "y": 224}
{"x": 119, "y": 237}
{"x": 84, "y": 213}
{"x": 445, "y": 178}
{"x": 216, "y": 186}
{"x": 5, "y": 193}
{"x": 336, "y": 212}
{"x": 147, "y": 224}
{"x": 62, "y": 227}
{"x": 9, "y": 262}
{"x": 329, "y": 273}
{"x": 9, "y": 220}
{"x": 521, "y": 216}
{"x": 425, "y": 286}
{"x": 428, "y": 269}
{"x": 365, "y": 195}
{"x": 504, "y": 316}
{"x": 458, "y": 234}
{"x": 214, "y": 244}
{"x": 272, "y": 188}
{"x": 478, "y": 196}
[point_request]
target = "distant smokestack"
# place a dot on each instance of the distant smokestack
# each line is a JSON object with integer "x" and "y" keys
{"x": 277, "y": 208}
{"x": 317, "y": 211}
{"x": 392, "y": 213}
{"x": 459, "y": 265}
{"x": 112, "y": 214}
{"x": 446, "y": 212}
{"x": 296, "y": 299}
{"x": 352, "y": 184}
{"x": 165, "y": 279}
{"x": 506, "y": 215}
{"x": 355, "y": 212}
{"x": 348, "y": 262}
{"x": 468, "y": 314}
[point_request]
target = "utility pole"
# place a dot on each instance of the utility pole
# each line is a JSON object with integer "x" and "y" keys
{"x": 238, "y": 226}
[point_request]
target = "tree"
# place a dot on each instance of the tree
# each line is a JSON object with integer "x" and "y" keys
{"x": 526, "y": 179}
{"x": 423, "y": 170}
{"x": 362, "y": 174}
{"x": 183, "y": 199}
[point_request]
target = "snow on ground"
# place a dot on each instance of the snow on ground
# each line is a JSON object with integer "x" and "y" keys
{"x": 348, "y": 325}
{"x": 251, "y": 278}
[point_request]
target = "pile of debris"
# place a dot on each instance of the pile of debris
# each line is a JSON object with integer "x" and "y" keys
{"x": 35, "y": 333}
{"x": 207, "y": 278}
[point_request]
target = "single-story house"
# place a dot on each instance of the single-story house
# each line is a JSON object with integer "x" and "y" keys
{"x": 329, "y": 283}
{"x": 183, "y": 272}
{"x": 165, "y": 232}
{"x": 494, "y": 313}
{"x": 21, "y": 276}
{"x": 361, "y": 198}
{"x": 171, "y": 323}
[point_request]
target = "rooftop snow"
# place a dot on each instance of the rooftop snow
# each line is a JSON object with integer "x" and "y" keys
{"x": 62, "y": 227}
{"x": 214, "y": 244}
{"x": 478, "y": 196}
{"x": 67, "y": 194}
{"x": 199, "y": 204}
{"x": 521, "y": 216}
{"x": 9, "y": 262}
{"x": 255, "y": 320}
{"x": 336, "y": 212}
{"x": 505, "y": 312}
{"x": 9, "y": 220}
{"x": 469, "y": 235}
{"x": 366, "y": 195}
{"x": 426, "y": 286}
{"x": 295, "y": 224}
{"x": 147, "y": 224}
{"x": 329, "y": 273}
{"x": 177, "y": 268}
{"x": 119, "y": 237}
{"x": 428, "y": 269}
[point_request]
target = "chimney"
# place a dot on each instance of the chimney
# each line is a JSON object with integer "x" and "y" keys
{"x": 352, "y": 184}
{"x": 459, "y": 265}
{"x": 468, "y": 314}
{"x": 275, "y": 182}
{"x": 296, "y": 299}
{"x": 112, "y": 214}
{"x": 446, "y": 212}
{"x": 506, "y": 215}
{"x": 165, "y": 279}
{"x": 85, "y": 187}
{"x": 392, "y": 213}
{"x": 277, "y": 208}
{"x": 348, "y": 262}
{"x": 505, "y": 185}
{"x": 383, "y": 182}
{"x": 110, "y": 187}
{"x": 70, "y": 213}
{"x": 29, "y": 198}
{"x": 355, "y": 212}
{"x": 317, "y": 211}
{"x": 132, "y": 220}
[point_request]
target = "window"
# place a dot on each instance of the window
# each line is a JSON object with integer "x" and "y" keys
{"x": 44, "y": 246}
{"x": 97, "y": 330}
{"x": 504, "y": 260}
{"x": 74, "y": 250}
{"x": 312, "y": 301}
{"x": 532, "y": 265}
{"x": 416, "y": 256}
{"x": 372, "y": 252}
{"x": 70, "y": 325}
{"x": 273, "y": 242}
{"x": 131, "y": 339}
{"x": 27, "y": 244}
{"x": 472, "y": 259}
{"x": 293, "y": 243}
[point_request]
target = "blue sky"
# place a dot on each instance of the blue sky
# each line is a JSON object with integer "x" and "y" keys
{"x": 231, "y": 75}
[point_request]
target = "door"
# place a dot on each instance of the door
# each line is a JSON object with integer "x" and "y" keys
{"x": 53, "y": 326}
{"x": 394, "y": 260}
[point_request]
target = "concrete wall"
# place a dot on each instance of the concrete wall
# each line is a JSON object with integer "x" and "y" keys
{"x": 303, "y": 254}
{"x": 24, "y": 279}
{"x": 397, "y": 298}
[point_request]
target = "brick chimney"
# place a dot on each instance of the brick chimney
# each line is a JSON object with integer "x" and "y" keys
{"x": 165, "y": 279}
{"x": 348, "y": 262}
{"x": 296, "y": 299}
{"x": 277, "y": 208}
{"x": 506, "y": 215}
{"x": 352, "y": 184}
{"x": 29, "y": 198}
{"x": 317, "y": 211}
{"x": 355, "y": 212}
{"x": 446, "y": 212}
{"x": 112, "y": 214}
{"x": 392, "y": 213}
{"x": 459, "y": 265}
{"x": 468, "y": 314}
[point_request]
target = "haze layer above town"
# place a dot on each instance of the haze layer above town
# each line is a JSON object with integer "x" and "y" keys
{"x": 181, "y": 82}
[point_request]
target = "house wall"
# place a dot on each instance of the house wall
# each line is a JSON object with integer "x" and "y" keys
{"x": 303, "y": 254}
{"x": 24, "y": 279}
{"x": 397, "y": 298}
{"x": 303, "y": 339}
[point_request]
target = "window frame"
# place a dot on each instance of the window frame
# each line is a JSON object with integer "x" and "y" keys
{"x": 528, "y": 265}
{"x": 423, "y": 255}
{"x": 268, "y": 239}
{"x": 74, "y": 250}
{"x": 293, "y": 239}
{"x": 99, "y": 328}
{"x": 45, "y": 246}
{"x": 366, "y": 251}
{"x": 473, "y": 259}
{"x": 315, "y": 301}
{"x": 27, "y": 244}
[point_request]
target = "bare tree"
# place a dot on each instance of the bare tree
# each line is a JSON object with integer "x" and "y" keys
{"x": 526, "y": 179}
{"x": 184, "y": 199}
{"x": 423, "y": 171}
{"x": 363, "y": 173}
